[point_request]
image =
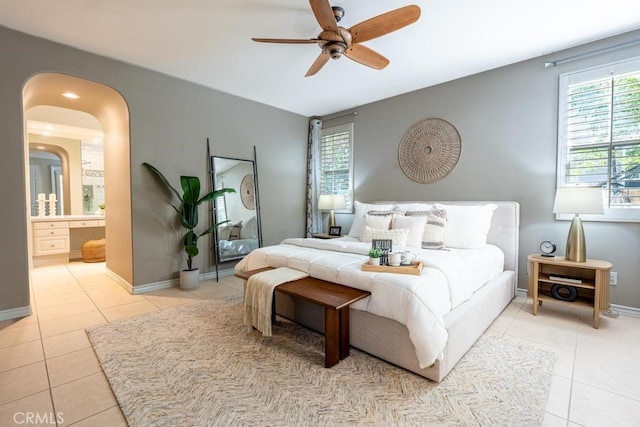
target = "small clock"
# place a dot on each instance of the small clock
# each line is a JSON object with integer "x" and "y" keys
{"x": 547, "y": 248}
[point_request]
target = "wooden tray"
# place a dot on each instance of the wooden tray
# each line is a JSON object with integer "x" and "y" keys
{"x": 415, "y": 268}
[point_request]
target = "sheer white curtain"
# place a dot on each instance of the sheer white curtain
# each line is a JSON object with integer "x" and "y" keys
{"x": 314, "y": 217}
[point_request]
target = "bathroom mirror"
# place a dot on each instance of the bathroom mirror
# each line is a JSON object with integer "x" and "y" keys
{"x": 46, "y": 178}
{"x": 75, "y": 139}
{"x": 238, "y": 214}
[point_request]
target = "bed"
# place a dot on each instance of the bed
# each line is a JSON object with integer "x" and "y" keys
{"x": 423, "y": 323}
{"x": 237, "y": 239}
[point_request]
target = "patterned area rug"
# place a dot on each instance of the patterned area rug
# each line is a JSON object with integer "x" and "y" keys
{"x": 198, "y": 365}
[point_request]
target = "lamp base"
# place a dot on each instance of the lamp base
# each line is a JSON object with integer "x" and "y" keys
{"x": 576, "y": 245}
{"x": 332, "y": 219}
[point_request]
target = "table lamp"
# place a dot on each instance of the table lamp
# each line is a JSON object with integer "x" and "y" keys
{"x": 577, "y": 200}
{"x": 331, "y": 202}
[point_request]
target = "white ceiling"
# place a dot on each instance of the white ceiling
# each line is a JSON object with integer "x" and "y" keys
{"x": 209, "y": 41}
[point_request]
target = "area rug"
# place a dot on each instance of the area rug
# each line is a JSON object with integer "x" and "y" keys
{"x": 198, "y": 365}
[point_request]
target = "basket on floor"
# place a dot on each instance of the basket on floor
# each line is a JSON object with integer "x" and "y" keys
{"x": 94, "y": 250}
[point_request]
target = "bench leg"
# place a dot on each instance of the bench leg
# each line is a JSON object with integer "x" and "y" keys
{"x": 344, "y": 332}
{"x": 331, "y": 337}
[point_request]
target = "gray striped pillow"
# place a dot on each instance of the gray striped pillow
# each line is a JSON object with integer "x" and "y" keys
{"x": 436, "y": 220}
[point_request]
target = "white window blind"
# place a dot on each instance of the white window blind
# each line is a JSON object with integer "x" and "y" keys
{"x": 221, "y": 207}
{"x": 336, "y": 162}
{"x": 599, "y": 135}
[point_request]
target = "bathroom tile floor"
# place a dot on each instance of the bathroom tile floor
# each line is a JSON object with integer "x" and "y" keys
{"x": 48, "y": 369}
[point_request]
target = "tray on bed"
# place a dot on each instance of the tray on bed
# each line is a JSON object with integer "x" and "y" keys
{"x": 415, "y": 268}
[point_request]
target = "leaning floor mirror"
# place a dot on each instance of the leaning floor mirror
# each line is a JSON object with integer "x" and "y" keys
{"x": 238, "y": 214}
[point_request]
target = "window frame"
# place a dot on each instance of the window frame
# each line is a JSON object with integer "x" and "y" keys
{"x": 332, "y": 130}
{"x": 611, "y": 214}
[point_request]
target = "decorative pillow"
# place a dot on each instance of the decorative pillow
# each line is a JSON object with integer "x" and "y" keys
{"x": 230, "y": 231}
{"x": 398, "y": 236}
{"x": 361, "y": 210}
{"x": 435, "y": 221}
{"x": 415, "y": 225}
{"x": 224, "y": 232}
{"x": 381, "y": 222}
{"x": 467, "y": 226}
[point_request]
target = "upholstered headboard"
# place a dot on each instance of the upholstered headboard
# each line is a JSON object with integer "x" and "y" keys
{"x": 505, "y": 227}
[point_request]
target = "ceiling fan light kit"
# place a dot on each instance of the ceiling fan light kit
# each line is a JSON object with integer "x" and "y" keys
{"x": 336, "y": 41}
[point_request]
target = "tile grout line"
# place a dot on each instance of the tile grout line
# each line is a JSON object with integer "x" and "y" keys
{"x": 44, "y": 354}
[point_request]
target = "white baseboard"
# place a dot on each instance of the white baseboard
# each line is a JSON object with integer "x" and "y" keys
{"x": 221, "y": 273}
{"x": 627, "y": 311}
{"x": 14, "y": 313}
{"x": 166, "y": 284}
{"x": 120, "y": 281}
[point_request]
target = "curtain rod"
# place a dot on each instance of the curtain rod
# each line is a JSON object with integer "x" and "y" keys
{"x": 550, "y": 64}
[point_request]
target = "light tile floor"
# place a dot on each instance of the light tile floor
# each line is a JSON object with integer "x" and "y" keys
{"x": 49, "y": 374}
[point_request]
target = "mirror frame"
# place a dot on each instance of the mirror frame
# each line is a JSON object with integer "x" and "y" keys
{"x": 219, "y": 257}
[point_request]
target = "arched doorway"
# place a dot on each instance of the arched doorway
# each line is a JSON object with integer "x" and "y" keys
{"x": 110, "y": 109}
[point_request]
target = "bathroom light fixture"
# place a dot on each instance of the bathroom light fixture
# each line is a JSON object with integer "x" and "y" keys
{"x": 70, "y": 95}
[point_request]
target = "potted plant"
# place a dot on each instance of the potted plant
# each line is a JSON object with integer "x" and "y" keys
{"x": 187, "y": 212}
{"x": 374, "y": 256}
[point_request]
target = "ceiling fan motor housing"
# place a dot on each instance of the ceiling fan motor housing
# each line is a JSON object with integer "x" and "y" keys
{"x": 334, "y": 49}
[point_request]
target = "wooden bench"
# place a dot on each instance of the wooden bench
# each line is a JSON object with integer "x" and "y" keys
{"x": 335, "y": 299}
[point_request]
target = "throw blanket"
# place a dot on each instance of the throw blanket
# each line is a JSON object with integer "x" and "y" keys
{"x": 258, "y": 298}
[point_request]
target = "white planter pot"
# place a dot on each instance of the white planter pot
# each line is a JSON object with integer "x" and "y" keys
{"x": 190, "y": 279}
{"x": 374, "y": 261}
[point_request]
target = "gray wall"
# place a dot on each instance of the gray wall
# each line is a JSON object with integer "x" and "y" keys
{"x": 507, "y": 119}
{"x": 170, "y": 120}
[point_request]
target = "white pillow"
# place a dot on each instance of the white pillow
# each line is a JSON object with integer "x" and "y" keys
{"x": 467, "y": 226}
{"x": 403, "y": 207}
{"x": 361, "y": 210}
{"x": 250, "y": 229}
{"x": 398, "y": 236}
{"x": 382, "y": 222}
{"x": 415, "y": 225}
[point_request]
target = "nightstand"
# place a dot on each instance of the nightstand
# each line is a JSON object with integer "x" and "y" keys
{"x": 323, "y": 236}
{"x": 588, "y": 280}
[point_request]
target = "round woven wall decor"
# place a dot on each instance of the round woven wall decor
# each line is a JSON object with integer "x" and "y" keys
{"x": 247, "y": 189}
{"x": 429, "y": 150}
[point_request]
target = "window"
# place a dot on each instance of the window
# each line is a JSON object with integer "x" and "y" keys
{"x": 221, "y": 207}
{"x": 336, "y": 162}
{"x": 599, "y": 136}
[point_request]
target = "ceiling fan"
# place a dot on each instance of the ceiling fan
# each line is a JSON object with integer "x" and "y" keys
{"x": 336, "y": 41}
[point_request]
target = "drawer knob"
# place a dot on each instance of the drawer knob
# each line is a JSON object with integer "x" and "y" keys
{"x": 51, "y": 225}
{"x": 52, "y": 232}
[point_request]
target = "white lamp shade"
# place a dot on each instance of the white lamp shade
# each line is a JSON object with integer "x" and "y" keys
{"x": 578, "y": 200}
{"x": 328, "y": 202}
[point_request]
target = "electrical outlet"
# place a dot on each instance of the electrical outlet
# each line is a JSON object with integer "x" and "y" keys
{"x": 613, "y": 278}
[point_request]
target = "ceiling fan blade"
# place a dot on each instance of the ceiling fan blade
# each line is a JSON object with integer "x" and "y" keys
{"x": 291, "y": 41}
{"x": 366, "y": 56}
{"x": 324, "y": 15}
{"x": 317, "y": 64}
{"x": 385, "y": 23}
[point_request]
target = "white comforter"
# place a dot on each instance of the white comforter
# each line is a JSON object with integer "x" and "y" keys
{"x": 449, "y": 278}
